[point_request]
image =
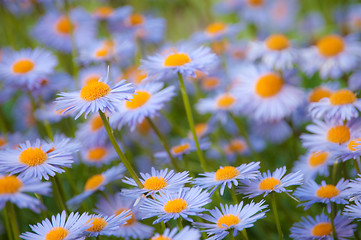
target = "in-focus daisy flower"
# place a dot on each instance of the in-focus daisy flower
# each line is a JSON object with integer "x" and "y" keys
{"x": 118, "y": 204}
{"x": 95, "y": 96}
{"x": 106, "y": 225}
{"x": 227, "y": 176}
{"x": 312, "y": 193}
{"x": 333, "y": 56}
{"x": 27, "y": 68}
{"x": 320, "y": 228}
{"x": 158, "y": 181}
{"x": 354, "y": 210}
{"x": 231, "y": 217}
{"x": 97, "y": 182}
{"x": 14, "y": 189}
{"x": 60, "y": 227}
{"x": 171, "y": 205}
{"x": 217, "y": 31}
{"x": 64, "y": 143}
{"x": 265, "y": 95}
{"x": 268, "y": 182}
{"x": 354, "y": 190}
{"x": 275, "y": 52}
{"x": 147, "y": 101}
{"x": 186, "y": 233}
{"x": 98, "y": 155}
{"x": 92, "y": 132}
{"x": 35, "y": 160}
{"x": 184, "y": 60}
{"x": 342, "y": 104}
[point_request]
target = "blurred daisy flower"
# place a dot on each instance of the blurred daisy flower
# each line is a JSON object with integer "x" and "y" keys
{"x": 49, "y": 113}
{"x": 312, "y": 193}
{"x": 268, "y": 182}
{"x": 106, "y": 225}
{"x": 318, "y": 93}
{"x": 109, "y": 13}
{"x": 217, "y": 31}
{"x": 14, "y": 189}
{"x": 92, "y": 132}
{"x": 118, "y": 204}
{"x": 354, "y": 82}
{"x": 320, "y": 228}
{"x": 227, "y": 176}
{"x": 186, "y": 233}
{"x": 354, "y": 189}
{"x": 98, "y": 154}
{"x": 255, "y": 11}
{"x": 282, "y": 14}
{"x": 183, "y": 203}
{"x": 27, "y": 67}
{"x": 158, "y": 181}
{"x": 147, "y": 101}
{"x": 94, "y": 73}
{"x": 231, "y": 217}
{"x": 68, "y": 227}
{"x": 275, "y": 132}
{"x": 353, "y": 18}
{"x": 137, "y": 76}
{"x": 349, "y": 150}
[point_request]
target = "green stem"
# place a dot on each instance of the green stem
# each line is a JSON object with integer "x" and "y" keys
{"x": 334, "y": 172}
{"x": 357, "y": 166}
{"x": 332, "y": 216}
{"x": 179, "y": 223}
{"x": 244, "y": 233}
{"x": 9, "y": 231}
{"x": 121, "y": 155}
{"x": 48, "y": 130}
{"x": 13, "y": 221}
{"x": 275, "y": 213}
{"x": 231, "y": 235}
{"x": 43, "y": 212}
{"x": 234, "y": 196}
{"x": 188, "y": 109}
{"x": 58, "y": 194}
{"x": 163, "y": 141}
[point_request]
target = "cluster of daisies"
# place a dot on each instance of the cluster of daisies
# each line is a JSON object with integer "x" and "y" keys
{"x": 109, "y": 131}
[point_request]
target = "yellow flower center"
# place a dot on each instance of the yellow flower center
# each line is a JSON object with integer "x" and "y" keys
{"x": 338, "y": 134}
{"x": 140, "y": 98}
{"x": 236, "y": 145}
{"x": 342, "y": 97}
{"x": 227, "y": 221}
{"x": 328, "y": 191}
{"x": 201, "y": 129}
{"x": 58, "y": 233}
{"x": 98, "y": 224}
{"x": 94, "y": 90}
{"x": 2, "y": 141}
{"x": 330, "y": 45}
{"x": 144, "y": 127}
{"x": 9, "y": 185}
{"x": 216, "y": 28}
{"x": 64, "y": 25}
{"x": 269, "y": 183}
{"x": 94, "y": 182}
{"x": 161, "y": 237}
{"x": 225, "y": 101}
{"x": 322, "y": 229}
{"x": 180, "y": 148}
{"x": 96, "y": 123}
{"x": 96, "y": 154}
{"x": 255, "y": 3}
{"x": 318, "y": 93}
{"x": 210, "y": 83}
{"x": 277, "y": 42}
{"x": 104, "y": 11}
{"x": 132, "y": 218}
{"x": 136, "y": 19}
{"x": 155, "y": 183}
{"x": 175, "y": 206}
{"x": 317, "y": 158}
{"x": 23, "y": 66}
{"x": 139, "y": 76}
{"x": 101, "y": 52}
{"x": 32, "y": 156}
{"x": 269, "y": 85}
{"x": 354, "y": 145}
{"x": 219, "y": 47}
{"x": 226, "y": 173}
{"x": 177, "y": 59}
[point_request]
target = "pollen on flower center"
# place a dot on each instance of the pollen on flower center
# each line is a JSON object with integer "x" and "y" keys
{"x": 155, "y": 183}
{"x": 94, "y": 182}
{"x": 96, "y": 154}
{"x": 175, "y": 206}
{"x": 318, "y": 93}
{"x": 322, "y": 229}
{"x": 32, "y": 156}
{"x": 269, "y": 85}
{"x": 227, "y": 221}
{"x": 64, "y": 25}
{"x": 96, "y": 123}
{"x": 354, "y": 145}
{"x": 136, "y": 19}
{"x": 180, "y": 148}
{"x": 140, "y": 98}
{"x": 225, "y": 101}
{"x": 330, "y": 45}
{"x": 255, "y": 3}
{"x": 328, "y": 191}
{"x": 269, "y": 183}
{"x": 226, "y": 173}
{"x": 98, "y": 224}
{"x": 342, "y": 97}
{"x": 58, "y": 233}
{"x": 10, "y": 185}
{"x": 317, "y": 158}
{"x": 215, "y": 28}
{"x": 94, "y": 90}
{"x": 132, "y": 219}
{"x": 161, "y": 237}
{"x": 177, "y": 59}
{"x": 338, "y": 134}
{"x": 23, "y": 66}
{"x": 277, "y": 42}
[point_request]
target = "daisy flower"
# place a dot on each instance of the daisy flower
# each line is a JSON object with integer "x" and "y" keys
{"x": 98, "y": 154}
{"x": 354, "y": 190}
{"x": 118, "y": 204}
{"x": 186, "y": 233}
{"x": 312, "y": 193}
{"x": 354, "y": 82}
{"x": 71, "y": 227}
{"x": 275, "y": 132}
{"x": 254, "y": 11}
{"x": 275, "y": 52}
{"x": 97, "y": 182}
{"x": 94, "y": 73}
{"x": 320, "y": 228}
{"x": 27, "y": 67}
{"x": 109, "y": 13}
{"x": 158, "y": 181}
{"x": 48, "y": 113}
{"x": 106, "y": 225}
{"x": 64, "y": 143}
{"x": 350, "y": 150}
{"x": 232, "y": 217}
{"x": 354, "y": 210}
{"x": 217, "y": 31}
{"x": 268, "y": 182}
{"x": 92, "y": 132}
{"x": 319, "y": 93}
{"x": 35, "y": 160}
{"x": 282, "y": 15}
{"x": 333, "y": 56}
{"x": 14, "y": 189}
{"x": 147, "y": 101}
{"x": 342, "y": 104}
{"x": 171, "y": 205}
{"x": 95, "y": 96}
{"x": 184, "y": 60}
{"x": 227, "y": 176}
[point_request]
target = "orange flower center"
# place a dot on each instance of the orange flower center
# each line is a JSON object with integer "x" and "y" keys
{"x": 94, "y": 90}
{"x": 216, "y": 28}
{"x": 338, "y": 134}
{"x": 225, "y": 101}
{"x": 130, "y": 221}
{"x": 96, "y": 123}
{"x": 318, "y": 93}
{"x": 269, "y": 183}
{"x": 322, "y": 229}
{"x": 64, "y": 25}
{"x": 140, "y": 76}
{"x": 354, "y": 145}
{"x": 255, "y": 3}
{"x": 236, "y": 145}
{"x": 9, "y": 185}
{"x": 104, "y": 11}
{"x": 23, "y": 66}
{"x": 94, "y": 182}
{"x": 181, "y": 148}
{"x": 317, "y": 158}
{"x": 96, "y": 154}
{"x": 175, "y": 206}
{"x": 342, "y": 97}
{"x": 269, "y": 85}
{"x": 136, "y": 19}
{"x": 98, "y": 224}
{"x": 155, "y": 183}
{"x": 58, "y": 233}
{"x": 2, "y": 141}
{"x": 330, "y": 45}
{"x": 144, "y": 127}
{"x": 32, "y": 156}
{"x": 161, "y": 237}
{"x": 140, "y": 98}
{"x": 328, "y": 191}
{"x": 226, "y": 173}
{"x": 277, "y": 42}
{"x": 177, "y": 59}
{"x": 210, "y": 83}
{"x": 101, "y": 52}
{"x": 227, "y": 221}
